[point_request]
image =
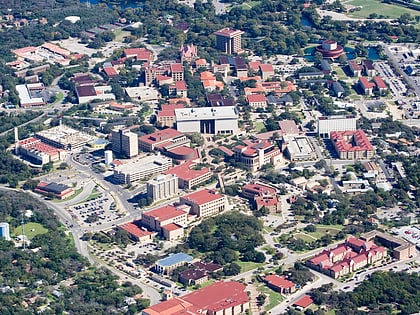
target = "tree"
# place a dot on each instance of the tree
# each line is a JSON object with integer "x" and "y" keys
{"x": 232, "y": 269}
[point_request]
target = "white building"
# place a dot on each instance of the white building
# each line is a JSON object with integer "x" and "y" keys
{"x": 207, "y": 120}
{"x": 299, "y": 148}
{"x": 90, "y": 92}
{"x": 326, "y": 124}
{"x": 125, "y": 142}
{"x": 64, "y": 137}
{"x": 142, "y": 93}
{"x": 30, "y": 95}
{"x": 141, "y": 168}
{"x": 162, "y": 187}
{"x": 4, "y": 231}
{"x": 108, "y": 157}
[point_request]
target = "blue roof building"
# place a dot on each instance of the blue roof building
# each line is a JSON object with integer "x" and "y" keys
{"x": 173, "y": 261}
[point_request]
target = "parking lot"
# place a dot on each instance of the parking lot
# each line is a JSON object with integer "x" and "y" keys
{"x": 396, "y": 84}
{"x": 410, "y": 233}
{"x": 100, "y": 209}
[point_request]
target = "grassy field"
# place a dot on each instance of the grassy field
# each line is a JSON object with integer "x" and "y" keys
{"x": 340, "y": 73}
{"x": 245, "y": 6}
{"x": 375, "y": 6}
{"x": 247, "y": 266}
{"x": 274, "y": 298}
{"x": 305, "y": 237}
{"x": 322, "y": 230}
{"x": 258, "y": 126}
{"x": 120, "y": 34}
{"x": 31, "y": 230}
{"x": 94, "y": 195}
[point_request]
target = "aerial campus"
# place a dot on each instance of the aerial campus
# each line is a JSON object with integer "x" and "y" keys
{"x": 193, "y": 157}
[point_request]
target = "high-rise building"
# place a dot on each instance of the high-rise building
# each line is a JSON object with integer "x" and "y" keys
{"x": 125, "y": 142}
{"x": 228, "y": 40}
{"x": 162, "y": 187}
{"x": 108, "y": 157}
{"x": 4, "y": 231}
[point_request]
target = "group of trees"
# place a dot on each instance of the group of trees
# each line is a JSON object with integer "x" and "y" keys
{"x": 227, "y": 238}
{"x": 34, "y": 273}
{"x": 383, "y": 293}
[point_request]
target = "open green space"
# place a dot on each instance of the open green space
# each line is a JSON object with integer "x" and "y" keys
{"x": 324, "y": 230}
{"x": 274, "y": 298}
{"x": 390, "y": 11}
{"x": 340, "y": 73}
{"x": 32, "y": 229}
{"x": 120, "y": 34}
{"x": 247, "y": 266}
{"x": 321, "y": 230}
{"x": 94, "y": 195}
{"x": 202, "y": 285}
{"x": 305, "y": 237}
{"x": 245, "y": 6}
{"x": 258, "y": 126}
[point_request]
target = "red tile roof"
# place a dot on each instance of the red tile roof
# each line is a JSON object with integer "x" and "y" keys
{"x": 110, "y": 71}
{"x": 279, "y": 281}
{"x": 254, "y": 65}
{"x": 135, "y": 230}
{"x": 366, "y": 84}
{"x": 184, "y": 153}
{"x": 181, "y": 85}
{"x": 320, "y": 259}
{"x": 359, "y": 258}
{"x": 185, "y": 172}
{"x": 259, "y": 189}
{"x": 168, "y": 110}
{"x": 165, "y": 213}
{"x": 171, "y": 227}
{"x": 139, "y": 53}
{"x": 228, "y": 32}
{"x": 380, "y": 84}
{"x": 346, "y": 141}
{"x": 218, "y": 296}
{"x": 340, "y": 249}
{"x": 256, "y": 98}
{"x": 161, "y": 135}
{"x": 304, "y": 302}
{"x": 357, "y": 242}
{"x": 56, "y": 49}
{"x": 266, "y": 68}
{"x": 267, "y": 201}
{"x": 176, "y": 67}
{"x": 203, "y": 196}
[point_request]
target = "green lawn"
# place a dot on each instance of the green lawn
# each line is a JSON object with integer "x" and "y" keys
{"x": 390, "y": 11}
{"x": 324, "y": 230}
{"x": 258, "y": 126}
{"x": 274, "y": 298}
{"x": 32, "y": 229}
{"x": 247, "y": 266}
{"x": 120, "y": 34}
{"x": 245, "y": 6}
{"x": 94, "y": 195}
{"x": 305, "y": 237}
{"x": 340, "y": 73}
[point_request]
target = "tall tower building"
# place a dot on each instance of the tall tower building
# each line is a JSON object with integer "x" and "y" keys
{"x": 162, "y": 187}
{"x": 125, "y": 142}
{"x": 4, "y": 231}
{"x": 228, "y": 40}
